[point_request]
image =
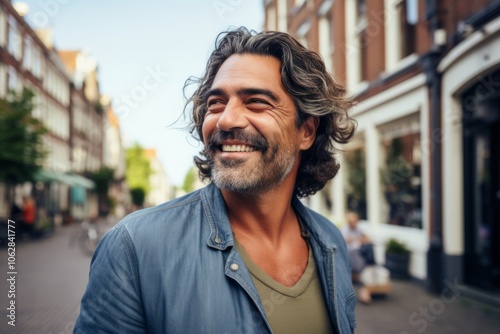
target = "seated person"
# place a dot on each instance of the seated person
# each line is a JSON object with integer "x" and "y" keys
{"x": 358, "y": 244}
{"x": 360, "y": 250}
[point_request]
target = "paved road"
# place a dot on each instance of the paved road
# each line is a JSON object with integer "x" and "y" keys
{"x": 410, "y": 309}
{"x": 52, "y": 277}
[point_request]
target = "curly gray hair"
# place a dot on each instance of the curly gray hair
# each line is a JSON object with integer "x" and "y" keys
{"x": 305, "y": 78}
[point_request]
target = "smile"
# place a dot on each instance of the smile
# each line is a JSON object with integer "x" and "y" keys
{"x": 237, "y": 148}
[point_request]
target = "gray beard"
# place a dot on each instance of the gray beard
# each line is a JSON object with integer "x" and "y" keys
{"x": 271, "y": 171}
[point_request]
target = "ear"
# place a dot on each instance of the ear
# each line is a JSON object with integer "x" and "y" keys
{"x": 308, "y": 132}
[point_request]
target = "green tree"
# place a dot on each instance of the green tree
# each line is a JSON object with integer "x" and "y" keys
{"x": 138, "y": 196}
{"x": 356, "y": 178}
{"x": 21, "y": 143}
{"x": 102, "y": 179}
{"x": 190, "y": 180}
{"x": 138, "y": 170}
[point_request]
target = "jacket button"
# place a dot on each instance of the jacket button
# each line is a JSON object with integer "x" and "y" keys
{"x": 234, "y": 267}
{"x": 217, "y": 240}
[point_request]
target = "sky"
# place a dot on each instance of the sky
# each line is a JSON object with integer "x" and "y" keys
{"x": 145, "y": 51}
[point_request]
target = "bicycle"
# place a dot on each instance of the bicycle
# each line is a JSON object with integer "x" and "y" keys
{"x": 89, "y": 233}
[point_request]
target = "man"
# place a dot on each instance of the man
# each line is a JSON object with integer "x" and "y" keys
{"x": 360, "y": 251}
{"x": 356, "y": 240}
{"x": 241, "y": 255}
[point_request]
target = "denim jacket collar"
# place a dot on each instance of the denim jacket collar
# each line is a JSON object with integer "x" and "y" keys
{"x": 221, "y": 235}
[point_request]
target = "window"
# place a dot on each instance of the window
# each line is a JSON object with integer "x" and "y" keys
{"x": 302, "y": 33}
{"x": 408, "y": 18}
{"x": 271, "y": 18}
{"x": 325, "y": 41}
{"x": 12, "y": 80}
{"x": 362, "y": 38}
{"x": 298, "y": 3}
{"x": 15, "y": 40}
{"x": 37, "y": 62}
{"x": 3, "y": 27}
{"x": 356, "y": 43}
{"x": 282, "y": 15}
{"x": 401, "y": 174}
{"x": 28, "y": 55}
{"x": 3, "y": 81}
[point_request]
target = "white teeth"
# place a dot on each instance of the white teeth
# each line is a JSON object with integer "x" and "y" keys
{"x": 237, "y": 148}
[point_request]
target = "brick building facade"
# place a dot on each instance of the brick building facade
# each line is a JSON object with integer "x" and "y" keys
{"x": 68, "y": 108}
{"x": 424, "y": 165}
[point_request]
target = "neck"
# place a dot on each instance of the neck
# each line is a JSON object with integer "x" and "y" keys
{"x": 267, "y": 216}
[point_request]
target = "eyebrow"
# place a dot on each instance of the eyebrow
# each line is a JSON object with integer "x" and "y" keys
{"x": 243, "y": 91}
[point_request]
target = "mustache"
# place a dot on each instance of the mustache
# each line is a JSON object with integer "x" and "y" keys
{"x": 218, "y": 136}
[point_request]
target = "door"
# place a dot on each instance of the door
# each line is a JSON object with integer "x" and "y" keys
{"x": 481, "y": 129}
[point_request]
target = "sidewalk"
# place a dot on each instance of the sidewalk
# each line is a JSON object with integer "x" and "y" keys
{"x": 50, "y": 281}
{"x": 409, "y": 309}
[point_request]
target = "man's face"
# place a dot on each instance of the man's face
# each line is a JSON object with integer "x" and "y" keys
{"x": 352, "y": 220}
{"x": 250, "y": 134}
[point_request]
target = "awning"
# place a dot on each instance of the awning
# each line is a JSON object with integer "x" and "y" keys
{"x": 81, "y": 181}
{"x": 72, "y": 180}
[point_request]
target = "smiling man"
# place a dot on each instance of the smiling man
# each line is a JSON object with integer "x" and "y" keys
{"x": 242, "y": 255}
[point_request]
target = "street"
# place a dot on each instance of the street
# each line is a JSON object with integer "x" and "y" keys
{"x": 50, "y": 281}
{"x": 52, "y": 275}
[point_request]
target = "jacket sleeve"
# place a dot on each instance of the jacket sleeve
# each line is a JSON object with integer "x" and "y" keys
{"x": 112, "y": 301}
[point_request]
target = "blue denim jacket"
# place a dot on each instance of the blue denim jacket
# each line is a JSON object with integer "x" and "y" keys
{"x": 170, "y": 269}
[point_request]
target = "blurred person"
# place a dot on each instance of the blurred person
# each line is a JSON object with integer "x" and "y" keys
{"x": 360, "y": 251}
{"x": 29, "y": 216}
{"x": 16, "y": 213}
{"x": 241, "y": 255}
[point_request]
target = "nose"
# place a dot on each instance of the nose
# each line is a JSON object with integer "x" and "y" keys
{"x": 233, "y": 117}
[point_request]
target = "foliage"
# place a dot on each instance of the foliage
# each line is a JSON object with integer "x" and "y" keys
{"x": 138, "y": 196}
{"x": 396, "y": 173}
{"x": 138, "y": 168}
{"x": 356, "y": 173}
{"x": 395, "y": 246}
{"x": 190, "y": 180}
{"x": 21, "y": 139}
{"x": 356, "y": 179}
{"x": 102, "y": 178}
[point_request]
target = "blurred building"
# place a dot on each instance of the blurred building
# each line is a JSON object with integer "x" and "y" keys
{"x": 86, "y": 126}
{"x": 424, "y": 165}
{"x": 161, "y": 190}
{"x": 66, "y": 101}
{"x": 114, "y": 158}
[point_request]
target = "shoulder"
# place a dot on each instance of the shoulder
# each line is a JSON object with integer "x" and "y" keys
{"x": 161, "y": 211}
{"x": 168, "y": 221}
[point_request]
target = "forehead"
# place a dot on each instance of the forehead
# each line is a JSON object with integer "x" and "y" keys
{"x": 248, "y": 70}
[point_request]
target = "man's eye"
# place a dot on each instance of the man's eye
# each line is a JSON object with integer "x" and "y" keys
{"x": 212, "y": 102}
{"x": 257, "y": 102}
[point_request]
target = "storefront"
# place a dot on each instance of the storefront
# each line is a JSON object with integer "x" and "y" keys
{"x": 471, "y": 160}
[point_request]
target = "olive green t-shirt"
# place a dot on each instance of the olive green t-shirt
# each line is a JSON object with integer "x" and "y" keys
{"x": 298, "y": 309}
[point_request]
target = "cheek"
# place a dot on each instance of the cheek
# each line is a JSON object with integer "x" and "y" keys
{"x": 209, "y": 125}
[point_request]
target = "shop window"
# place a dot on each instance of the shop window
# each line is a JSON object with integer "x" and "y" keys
{"x": 401, "y": 180}
{"x": 355, "y": 163}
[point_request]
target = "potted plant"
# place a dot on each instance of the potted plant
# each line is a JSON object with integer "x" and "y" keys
{"x": 397, "y": 259}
